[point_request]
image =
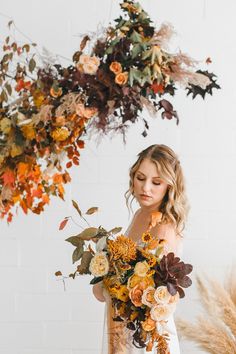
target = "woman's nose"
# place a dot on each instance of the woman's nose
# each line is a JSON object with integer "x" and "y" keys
{"x": 146, "y": 186}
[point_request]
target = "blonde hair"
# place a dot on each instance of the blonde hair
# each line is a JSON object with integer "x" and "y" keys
{"x": 174, "y": 206}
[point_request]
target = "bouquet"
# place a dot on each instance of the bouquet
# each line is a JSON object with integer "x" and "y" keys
{"x": 143, "y": 281}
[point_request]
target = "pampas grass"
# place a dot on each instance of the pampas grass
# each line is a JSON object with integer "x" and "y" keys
{"x": 215, "y": 331}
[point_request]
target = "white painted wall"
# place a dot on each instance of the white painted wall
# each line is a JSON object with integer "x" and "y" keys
{"x": 36, "y": 315}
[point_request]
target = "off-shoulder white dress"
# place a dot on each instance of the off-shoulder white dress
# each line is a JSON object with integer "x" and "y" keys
{"x": 117, "y": 339}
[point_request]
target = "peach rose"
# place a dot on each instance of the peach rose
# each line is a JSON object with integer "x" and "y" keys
{"x": 161, "y": 312}
{"x": 115, "y": 67}
{"x": 87, "y": 64}
{"x": 122, "y": 78}
{"x": 162, "y": 295}
{"x": 148, "y": 296}
{"x": 149, "y": 324}
{"x": 84, "y": 59}
{"x": 141, "y": 269}
{"x": 90, "y": 68}
{"x": 135, "y": 295}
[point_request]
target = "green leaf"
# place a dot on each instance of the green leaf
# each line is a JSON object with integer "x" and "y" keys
{"x": 91, "y": 211}
{"x": 136, "y": 50}
{"x": 75, "y": 241}
{"x": 88, "y": 233}
{"x": 136, "y": 37}
{"x": 8, "y": 88}
{"x": 4, "y": 96}
{"x": 77, "y": 254}
{"x": 134, "y": 74}
{"x": 7, "y": 39}
{"x": 75, "y": 205}
{"x": 32, "y": 65}
{"x": 113, "y": 43}
{"x": 115, "y": 230}
{"x": 96, "y": 280}
{"x": 146, "y": 54}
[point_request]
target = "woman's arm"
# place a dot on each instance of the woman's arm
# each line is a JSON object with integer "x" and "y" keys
{"x": 173, "y": 241}
{"x": 98, "y": 292}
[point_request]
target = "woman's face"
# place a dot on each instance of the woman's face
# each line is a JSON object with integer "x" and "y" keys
{"x": 149, "y": 188}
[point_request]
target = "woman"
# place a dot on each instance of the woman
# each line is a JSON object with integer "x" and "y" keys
{"x": 157, "y": 184}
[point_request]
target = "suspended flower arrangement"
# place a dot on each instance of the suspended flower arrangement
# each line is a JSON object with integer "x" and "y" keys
{"x": 47, "y": 109}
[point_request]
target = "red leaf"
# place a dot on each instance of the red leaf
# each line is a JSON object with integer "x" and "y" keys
{"x": 8, "y": 177}
{"x": 63, "y": 223}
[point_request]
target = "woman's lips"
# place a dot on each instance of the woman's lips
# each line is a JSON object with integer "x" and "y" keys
{"x": 144, "y": 196}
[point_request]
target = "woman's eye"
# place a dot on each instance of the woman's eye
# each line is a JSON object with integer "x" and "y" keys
{"x": 156, "y": 183}
{"x": 140, "y": 179}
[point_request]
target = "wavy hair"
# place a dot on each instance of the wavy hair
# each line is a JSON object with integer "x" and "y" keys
{"x": 174, "y": 206}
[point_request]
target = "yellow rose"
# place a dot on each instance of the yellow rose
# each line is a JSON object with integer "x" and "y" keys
{"x": 149, "y": 324}
{"x": 122, "y": 78}
{"x": 141, "y": 269}
{"x": 148, "y": 296}
{"x": 162, "y": 295}
{"x": 161, "y": 312}
{"x": 135, "y": 279}
{"x": 135, "y": 295}
{"x": 28, "y": 131}
{"x": 99, "y": 264}
{"x": 115, "y": 67}
{"x": 5, "y": 125}
{"x": 60, "y": 134}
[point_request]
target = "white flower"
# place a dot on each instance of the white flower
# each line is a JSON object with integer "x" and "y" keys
{"x": 161, "y": 312}
{"x": 99, "y": 265}
{"x": 162, "y": 295}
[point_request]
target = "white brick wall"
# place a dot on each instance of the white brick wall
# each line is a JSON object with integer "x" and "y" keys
{"x": 36, "y": 315}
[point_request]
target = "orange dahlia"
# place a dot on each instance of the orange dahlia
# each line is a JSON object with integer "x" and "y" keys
{"x": 122, "y": 248}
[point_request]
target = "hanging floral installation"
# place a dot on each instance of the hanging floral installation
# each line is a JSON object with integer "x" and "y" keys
{"x": 46, "y": 109}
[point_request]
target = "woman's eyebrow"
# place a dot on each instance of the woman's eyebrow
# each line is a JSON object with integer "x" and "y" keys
{"x": 145, "y": 175}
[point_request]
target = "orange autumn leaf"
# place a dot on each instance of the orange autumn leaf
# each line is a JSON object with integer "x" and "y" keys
{"x": 156, "y": 217}
{"x": 157, "y": 88}
{"x": 22, "y": 168}
{"x": 24, "y": 206}
{"x": 8, "y": 177}
{"x": 37, "y": 193}
{"x": 57, "y": 178}
{"x": 63, "y": 223}
{"x": 45, "y": 199}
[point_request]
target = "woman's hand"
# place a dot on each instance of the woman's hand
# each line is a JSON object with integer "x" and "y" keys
{"x": 98, "y": 291}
